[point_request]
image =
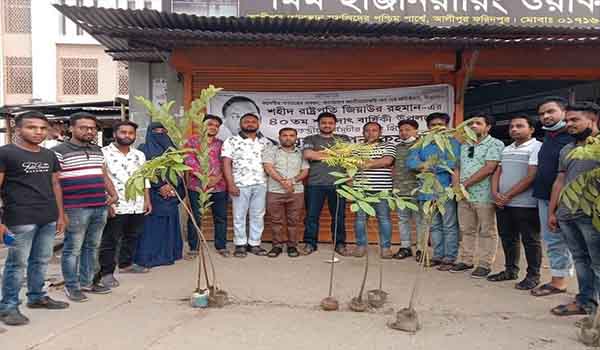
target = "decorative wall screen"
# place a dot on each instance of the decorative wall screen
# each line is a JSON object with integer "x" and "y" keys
{"x": 17, "y": 16}
{"x": 122, "y": 79}
{"x": 18, "y": 75}
{"x": 79, "y": 76}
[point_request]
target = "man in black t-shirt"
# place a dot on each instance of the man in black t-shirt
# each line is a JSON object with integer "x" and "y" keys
{"x": 33, "y": 213}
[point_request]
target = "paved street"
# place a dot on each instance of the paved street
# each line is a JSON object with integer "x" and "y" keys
{"x": 275, "y": 306}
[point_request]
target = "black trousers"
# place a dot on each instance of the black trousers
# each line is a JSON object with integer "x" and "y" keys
{"x": 120, "y": 234}
{"x": 520, "y": 224}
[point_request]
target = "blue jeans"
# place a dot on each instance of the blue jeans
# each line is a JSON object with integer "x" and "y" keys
{"x": 219, "y": 213}
{"x": 251, "y": 201}
{"x": 584, "y": 242}
{"x": 559, "y": 256}
{"x": 444, "y": 234}
{"x": 315, "y": 199}
{"x": 382, "y": 211}
{"x": 82, "y": 239}
{"x": 32, "y": 251}
{"x": 404, "y": 217}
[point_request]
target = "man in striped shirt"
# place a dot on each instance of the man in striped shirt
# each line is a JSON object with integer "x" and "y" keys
{"x": 85, "y": 184}
{"x": 376, "y": 176}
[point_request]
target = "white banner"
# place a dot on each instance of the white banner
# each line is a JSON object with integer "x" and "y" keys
{"x": 353, "y": 109}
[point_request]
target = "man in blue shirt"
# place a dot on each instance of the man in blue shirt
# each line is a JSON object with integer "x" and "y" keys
{"x": 444, "y": 228}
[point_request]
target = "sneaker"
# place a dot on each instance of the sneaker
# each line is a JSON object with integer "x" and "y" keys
{"x": 75, "y": 295}
{"x": 110, "y": 281}
{"x": 359, "y": 251}
{"x": 134, "y": 268}
{"x": 386, "y": 253}
{"x": 460, "y": 267}
{"x": 13, "y": 317}
{"x": 96, "y": 288}
{"x": 48, "y": 303}
{"x": 480, "y": 272}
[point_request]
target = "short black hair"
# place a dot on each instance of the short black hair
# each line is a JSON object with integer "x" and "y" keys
{"x": 249, "y": 115}
{"x": 530, "y": 120}
{"x": 282, "y": 130}
{"x": 326, "y": 115}
{"x": 584, "y": 106}
{"x": 410, "y": 122}
{"x": 213, "y": 117}
{"x": 73, "y": 118}
{"x": 438, "y": 115}
{"x": 29, "y": 115}
{"x": 235, "y": 99}
{"x": 489, "y": 120}
{"x": 373, "y": 123}
{"x": 560, "y": 101}
{"x": 121, "y": 123}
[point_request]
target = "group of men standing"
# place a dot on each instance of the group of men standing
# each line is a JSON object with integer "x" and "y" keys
{"x": 76, "y": 188}
{"x": 513, "y": 195}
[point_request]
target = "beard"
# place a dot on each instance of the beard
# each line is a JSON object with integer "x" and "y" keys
{"x": 582, "y": 136}
{"x": 124, "y": 142}
{"x": 247, "y": 130}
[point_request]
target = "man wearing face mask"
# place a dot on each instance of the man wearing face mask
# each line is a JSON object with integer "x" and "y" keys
{"x": 582, "y": 238}
{"x": 125, "y": 218}
{"x": 551, "y": 112}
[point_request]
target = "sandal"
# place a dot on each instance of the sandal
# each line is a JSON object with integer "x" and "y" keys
{"x": 546, "y": 289}
{"x": 568, "y": 310}
{"x": 308, "y": 249}
{"x": 527, "y": 284}
{"x": 223, "y": 252}
{"x": 293, "y": 252}
{"x": 275, "y": 251}
{"x": 240, "y": 251}
{"x": 342, "y": 250}
{"x": 257, "y": 250}
{"x": 403, "y": 253}
{"x": 503, "y": 276}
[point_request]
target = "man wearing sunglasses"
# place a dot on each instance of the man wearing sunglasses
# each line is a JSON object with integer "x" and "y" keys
{"x": 477, "y": 214}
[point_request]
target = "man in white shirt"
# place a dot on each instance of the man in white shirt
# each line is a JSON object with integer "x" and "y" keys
{"x": 516, "y": 208}
{"x": 125, "y": 218}
{"x": 246, "y": 184}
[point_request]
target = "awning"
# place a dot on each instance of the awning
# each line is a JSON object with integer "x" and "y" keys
{"x": 146, "y": 35}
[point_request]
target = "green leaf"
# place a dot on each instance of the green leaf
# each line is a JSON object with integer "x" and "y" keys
{"x": 342, "y": 180}
{"x": 353, "y": 192}
{"x": 585, "y": 207}
{"x": 345, "y": 194}
{"x": 596, "y": 221}
{"x": 571, "y": 193}
{"x": 391, "y": 203}
{"x": 173, "y": 178}
{"x": 372, "y": 199}
{"x": 367, "y": 208}
{"x": 565, "y": 199}
{"x": 337, "y": 174}
{"x": 352, "y": 172}
{"x": 354, "y": 207}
